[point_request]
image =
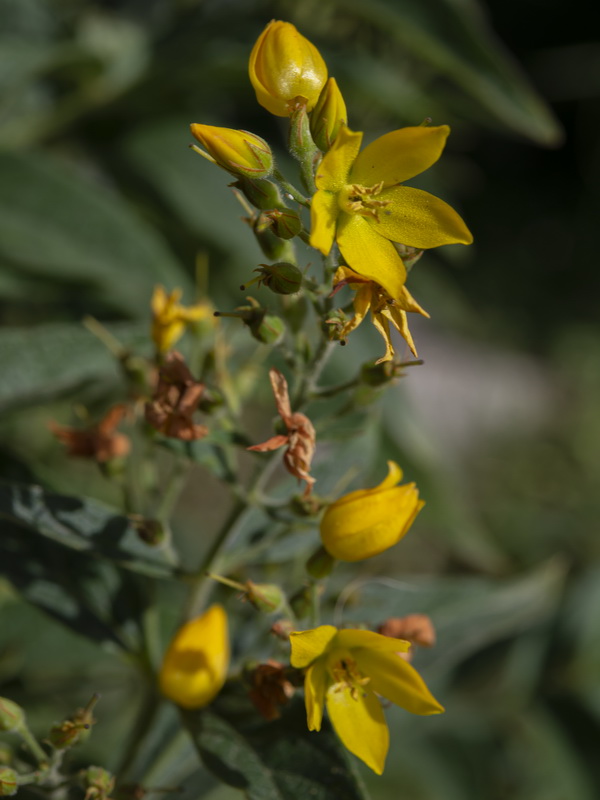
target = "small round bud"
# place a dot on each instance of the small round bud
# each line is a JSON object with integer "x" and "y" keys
{"x": 269, "y": 330}
{"x": 285, "y": 223}
{"x": 97, "y": 782}
{"x": 8, "y": 782}
{"x": 320, "y": 564}
{"x": 150, "y": 531}
{"x": 12, "y": 716}
{"x": 265, "y": 597}
{"x": 374, "y": 374}
{"x": 281, "y": 277}
{"x": 262, "y": 193}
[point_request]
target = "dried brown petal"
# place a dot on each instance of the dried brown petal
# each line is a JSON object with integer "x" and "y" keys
{"x": 416, "y": 628}
{"x": 100, "y": 442}
{"x": 270, "y": 689}
{"x": 175, "y": 400}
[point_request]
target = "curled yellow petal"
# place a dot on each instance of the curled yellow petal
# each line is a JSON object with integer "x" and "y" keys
{"x": 309, "y": 645}
{"x": 315, "y": 686}
{"x": 195, "y": 665}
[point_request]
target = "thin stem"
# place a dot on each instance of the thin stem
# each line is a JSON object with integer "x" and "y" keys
{"x": 314, "y": 611}
{"x": 332, "y": 391}
{"x": 32, "y": 743}
{"x": 104, "y": 335}
{"x": 172, "y": 490}
{"x": 290, "y": 189}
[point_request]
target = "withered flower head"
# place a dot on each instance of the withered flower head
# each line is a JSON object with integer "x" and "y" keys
{"x": 414, "y": 628}
{"x": 271, "y": 688}
{"x": 300, "y": 438}
{"x": 100, "y": 442}
{"x": 175, "y": 400}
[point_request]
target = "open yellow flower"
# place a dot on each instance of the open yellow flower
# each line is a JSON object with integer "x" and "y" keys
{"x": 169, "y": 318}
{"x": 361, "y": 204}
{"x": 195, "y": 665}
{"x": 346, "y": 670}
{"x": 384, "y": 309}
{"x": 366, "y": 522}
{"x": 285, "y": 69}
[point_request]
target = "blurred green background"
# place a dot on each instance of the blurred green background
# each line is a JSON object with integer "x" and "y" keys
{"x": 100, "y": 198}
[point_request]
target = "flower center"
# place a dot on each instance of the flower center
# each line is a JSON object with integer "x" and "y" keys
{"x": 357, "y": 199}
{"x": 347, "y": 676}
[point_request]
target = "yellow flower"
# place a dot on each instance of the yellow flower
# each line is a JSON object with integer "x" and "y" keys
{"x": 367, "y": 522}
{"x": 195, "y": 665}
{"x": 169, "y": 318}
{"x": 346, "y": 670}
{"x": 285, "y": 69}
{"x": 361, "y": 203}
{"x": 239, "y": 152}
{"x": 384, "y": 309}
{"x": 328, "y": 116}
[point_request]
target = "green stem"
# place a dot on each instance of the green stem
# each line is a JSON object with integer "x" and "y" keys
{"x": 32, "y": 743}
{"x": 172, "y": 490}
{"x": 290, "y": 189}
{"x": 143, "y": 724}
{"x": 332, "y": 391}
{"x": 314, "y": 612}
{"x": 309, "y": 380}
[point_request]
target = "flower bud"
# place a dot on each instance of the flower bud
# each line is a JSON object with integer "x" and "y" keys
{"x": 195, "y": 665}
{"x": 260, "y": 192}
{"x": 269, "y": 330}
{"x": 8, "y": 782}
{"x": 320, "y": 564}
{"x": 285, "y": 222}
{"x": 367, "y": 522}
{"x": 12, "y": 716}
{"x": 378, "y": 374}
{"x": 97, "y": 782}
{"x": 281, "y": 277}
{"x": 328, "y": 116}
{"x": 300, "y": 141}
{"x": 265, "y": 597}
{"x": 285, "y": 69}
{"x": 239, "y": 152}
{"x": 151, "y": 531}
{"x": 274, "y": 248}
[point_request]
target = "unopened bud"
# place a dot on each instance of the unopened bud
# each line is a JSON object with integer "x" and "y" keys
{"x": 320, "y": 564}
{"x": 285, "y": 223}
{"x": 8, "y": 782}
{"x": 150, "y": 531}
{"x": 12, "y": 716}
{"x": 239, "y": 152}
{"x": 97, "y": 782}
{"x": 281, "y": 277}
{"x": 373, "y": 374}
{"x": 274, "y": 248}
{"x": 265, "y": 597}
{"x": 328, "y": 116}
{"x": 300, "y": 141}
{"x": 334, "y": 325}
{"x": 262, "y": 193}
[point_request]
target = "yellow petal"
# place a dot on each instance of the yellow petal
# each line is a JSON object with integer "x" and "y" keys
{"x": 393, "y": 477}
{"x": 315, "y": 686}
{"x": 195, "y": 665}
{"x": 382, "y": 325}
{"x": 400, "y": 155}
{"x": 419, "y": 219}
{"x": 309, "y": 645}
{"x": 324, "y": 211}
{"x": 332, "y": 173}
{"x": 349, "y": 638}
{"x": 366, "y": 523}
{"x": 362, "y": 302}
{"x": 370, "y": 254}
{"x": 360, "y": 723}
{"x": 399, "y": 320}
{"x": 395, "y": 679}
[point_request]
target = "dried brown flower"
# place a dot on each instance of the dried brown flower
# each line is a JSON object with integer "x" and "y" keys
{"x": 271, "y": 688}
{"x": 300, "y": 438}
{"x": 100, "y": 442}
{"x": 415, "y": 628}
{"x": 175, "y": 399}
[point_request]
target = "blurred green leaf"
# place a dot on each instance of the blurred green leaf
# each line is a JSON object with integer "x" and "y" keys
{"x": 279, "y": 760}
{"x": 44, "y": 362}
{"x": 57, "y": 223}
{"x": 82, "y": 525}
{"x": 455, "y": 40}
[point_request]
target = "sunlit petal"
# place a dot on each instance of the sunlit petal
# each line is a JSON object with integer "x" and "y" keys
{"x": 393, "y": 678}
{"x": 400, "y": 155}
{"x": 349, "y": 638}
{"x": 360, "y": 723}
{"x": 399, "y": 320}
{"x": 370, "y": 254}
{"x": 332, "y": 172}
{"x": 324, "y": 211}
{"x": 419, "y": 219}
{"x": 315, "y": 685}
{"x": 393, "y": 477}
{"x": 309, "y": 645}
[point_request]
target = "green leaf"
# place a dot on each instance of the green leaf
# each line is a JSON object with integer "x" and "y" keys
{"x": 56, "y": 223}
{"x": 455, "y": 40}
{"x": 44, "y": 362}
{"x": 82, "y": 525}
{"x": 279, "y": 760}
